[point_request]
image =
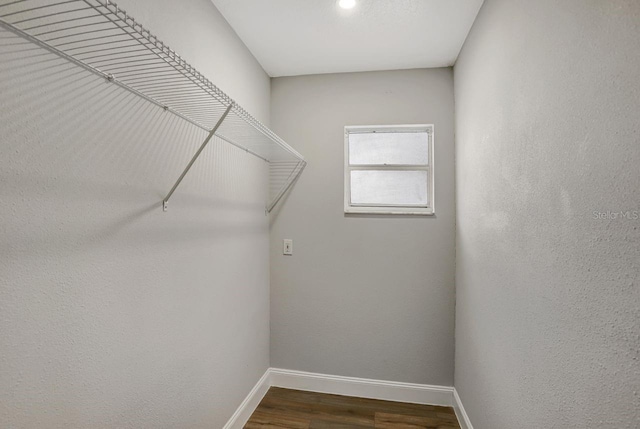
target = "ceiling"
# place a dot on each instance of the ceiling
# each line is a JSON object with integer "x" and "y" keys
{"x": 296, "y": 37}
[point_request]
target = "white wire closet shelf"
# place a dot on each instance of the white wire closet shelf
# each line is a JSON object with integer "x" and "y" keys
{"x": 102, "y": 38}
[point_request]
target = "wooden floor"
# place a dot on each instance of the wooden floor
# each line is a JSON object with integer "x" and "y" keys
{"x": 294, "y": 409}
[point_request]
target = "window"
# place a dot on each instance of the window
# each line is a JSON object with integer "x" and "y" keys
{"x": 389, "y": 169}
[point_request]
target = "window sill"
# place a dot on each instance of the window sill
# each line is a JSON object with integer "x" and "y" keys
{"x": 387, "y": 211}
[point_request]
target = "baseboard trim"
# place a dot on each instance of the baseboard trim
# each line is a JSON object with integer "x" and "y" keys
{"x": 463, "y": 418}
{"x": 250, "y": 403}
{"x": 362, "y": 387}
{"x": 348, "y": 386}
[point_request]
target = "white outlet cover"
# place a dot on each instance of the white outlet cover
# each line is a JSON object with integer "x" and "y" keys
{"x": 287, "y": 246}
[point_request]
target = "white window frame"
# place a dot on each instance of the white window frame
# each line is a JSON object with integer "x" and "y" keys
{"x": 428, "y": 210}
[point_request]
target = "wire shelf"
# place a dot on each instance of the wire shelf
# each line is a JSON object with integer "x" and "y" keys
{"x": 102, "y": 38}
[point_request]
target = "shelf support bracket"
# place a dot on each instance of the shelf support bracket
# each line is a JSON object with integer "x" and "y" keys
{"x": 293, "y": 177}
{"x": 165, "y": 202}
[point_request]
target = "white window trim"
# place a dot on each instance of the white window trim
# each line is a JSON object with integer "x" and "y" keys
{"x": 400, "y": 210}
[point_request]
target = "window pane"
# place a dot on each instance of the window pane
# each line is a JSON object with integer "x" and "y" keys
{"x": 392, "y": 188}
{"x": 408, "y": 148}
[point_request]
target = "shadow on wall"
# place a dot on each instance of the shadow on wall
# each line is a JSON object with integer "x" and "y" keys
{"x": 82, "y": 160}
{"x": 115, "y": 313}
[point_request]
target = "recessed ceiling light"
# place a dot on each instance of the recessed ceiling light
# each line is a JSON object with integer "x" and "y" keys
{"x": 347, "y": 4}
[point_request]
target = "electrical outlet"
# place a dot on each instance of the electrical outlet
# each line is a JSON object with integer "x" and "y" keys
{"x": 287, "y": 246}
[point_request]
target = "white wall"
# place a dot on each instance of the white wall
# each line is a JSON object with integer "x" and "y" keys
{"x": 113, "y": 313}
{"x": 548, "y": 296}
{"x": 364, "y": 296}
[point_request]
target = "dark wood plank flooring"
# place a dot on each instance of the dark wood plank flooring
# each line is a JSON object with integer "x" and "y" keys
{"x": 295, "y": 409}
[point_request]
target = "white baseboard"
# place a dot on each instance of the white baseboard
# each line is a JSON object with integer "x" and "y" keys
{"x": 250, "y": 403}
{"x": 362, "y": 387}
{"x": 348, "y": 386}
{"x": 463, "y": 418}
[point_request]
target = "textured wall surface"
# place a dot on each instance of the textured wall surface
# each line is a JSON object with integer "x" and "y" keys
{"x": 548, "y": 292}
{"x": 363, "y": 296}
{"x": 114, "y": 314}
